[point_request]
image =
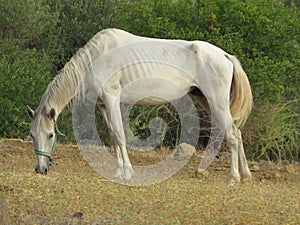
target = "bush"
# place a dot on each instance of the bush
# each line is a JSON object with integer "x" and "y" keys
{"x": 263, "y": 34}
{"x": 275, "y": 132}
{"x": 24, "y": 74}
{"x": 39, "y": 37}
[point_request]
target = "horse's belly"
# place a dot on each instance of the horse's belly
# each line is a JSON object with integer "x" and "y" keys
{"x": 149, "y": 83}
{"x": 154, "y": 90}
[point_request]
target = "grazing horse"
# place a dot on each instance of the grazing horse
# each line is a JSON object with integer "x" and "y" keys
{"x": 115, "y": 59}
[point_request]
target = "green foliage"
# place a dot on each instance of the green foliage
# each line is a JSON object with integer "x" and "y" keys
{"x": 25, "y": 21}
{"x": 164, "y": 121}
{"x": 263, "y": 34}
{"x": 75, "y": 23}
{"x": 277, "y": 132}
{"x": 24, "y": 75}
{"x": 38, "y": 37}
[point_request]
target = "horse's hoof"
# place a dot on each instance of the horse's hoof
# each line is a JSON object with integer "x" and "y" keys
{"x": 202, "y": 174}
{"x": 247, "y": 178}
{"x": 233, "y": 181}
{"x": 128, "y": 173}
{"x": 118, "y": 174}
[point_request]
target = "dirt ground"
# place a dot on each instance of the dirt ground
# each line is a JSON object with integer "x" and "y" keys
{"x": 73, "y": 193}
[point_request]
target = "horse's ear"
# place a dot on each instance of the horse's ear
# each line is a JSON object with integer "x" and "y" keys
{"x": 51, "y": 114}
{"x": 30, "y": 111}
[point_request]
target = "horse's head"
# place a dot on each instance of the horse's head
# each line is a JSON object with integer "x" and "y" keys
{"x": 42, "y": 132}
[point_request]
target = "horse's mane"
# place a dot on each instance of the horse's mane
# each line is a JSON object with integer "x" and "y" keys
{"x": 65, "y": 86}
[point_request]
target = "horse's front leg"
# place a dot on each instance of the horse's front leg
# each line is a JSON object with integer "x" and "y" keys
{"x": 119, "y": 172}
{"x": 112, "y": 104}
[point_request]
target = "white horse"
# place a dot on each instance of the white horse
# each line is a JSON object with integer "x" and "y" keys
{"x": 214, "y": 77}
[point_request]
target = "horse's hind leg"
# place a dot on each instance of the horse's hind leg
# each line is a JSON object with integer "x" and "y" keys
{"x": 243, "y": 165}
{"x": 222, "y": 128}
{"x": 232, "y": 134}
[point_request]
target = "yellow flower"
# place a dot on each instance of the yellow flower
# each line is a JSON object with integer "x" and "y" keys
{"x": 213, "y": 16}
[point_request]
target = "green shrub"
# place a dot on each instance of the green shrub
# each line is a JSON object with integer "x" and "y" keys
{"x": 166, "y": 120}
{"x": 24, "y": 74}
{"x": 274, "y": 133}
{"x": 38, "y": 37}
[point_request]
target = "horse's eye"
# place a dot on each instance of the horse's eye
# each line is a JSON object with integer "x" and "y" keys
{"x": 51, "y": 136}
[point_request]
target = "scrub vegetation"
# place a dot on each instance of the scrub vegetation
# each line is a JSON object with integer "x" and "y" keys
{"x": 38, "y": 37}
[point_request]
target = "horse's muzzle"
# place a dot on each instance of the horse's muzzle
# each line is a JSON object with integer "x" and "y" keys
{"x": 42, "y": 169}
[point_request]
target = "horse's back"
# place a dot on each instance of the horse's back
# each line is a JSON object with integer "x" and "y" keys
{"x": 142, "y": 66}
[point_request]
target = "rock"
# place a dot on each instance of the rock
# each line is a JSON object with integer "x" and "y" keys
{"x": 290, "y": 169}
{"x": 199, "y": 173}
{"x": 255, "y": 168}
{"x": 78, "y": 215}
{"x": 268, "y": 165}
{"x": 285, "y": 162}
{"x": 4, "y": 216}
{"x": 251, "y": 163}
{"x": 183, "y": 151}
{"x": 277, "y": 175}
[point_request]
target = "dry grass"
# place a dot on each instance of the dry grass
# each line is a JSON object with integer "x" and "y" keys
{"x": 74, "y": 194}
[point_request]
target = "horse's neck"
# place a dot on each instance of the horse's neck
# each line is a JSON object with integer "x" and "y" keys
{"x": 64, "y": 86}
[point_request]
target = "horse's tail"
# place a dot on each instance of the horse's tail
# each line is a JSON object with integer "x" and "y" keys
{"x": 241, "y": 100}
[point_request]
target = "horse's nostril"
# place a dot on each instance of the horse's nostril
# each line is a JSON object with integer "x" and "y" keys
{"x": 41, "y": 170}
